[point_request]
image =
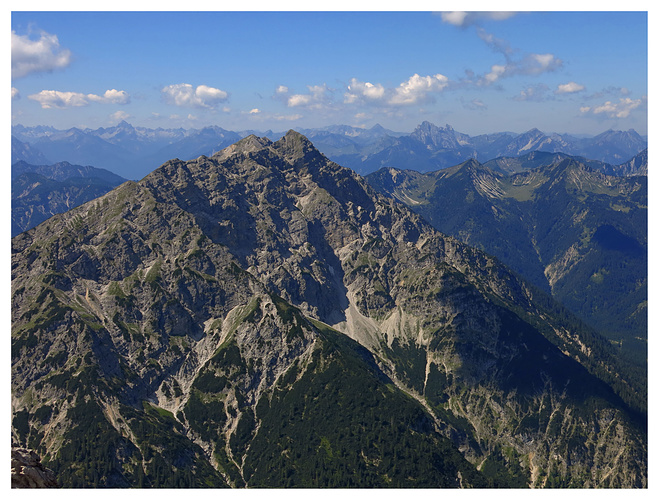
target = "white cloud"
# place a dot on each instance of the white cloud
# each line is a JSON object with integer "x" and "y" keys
{"x": 535, "y": 93}
{"x": 209, "y": 94}
{"x": 532, "y": 64}
{"x": 111, "y": 97}
{"x": 496, "y": 72}
{"x": 358, "y": 91}
{"x": 299, "y": 100}
{"x": 315, "y": 99}
{"x": 260, "y": 116}
{"x": 282, "y": 89}
{"x": 15, "y": 94}
{"x": 416, "y": 89}
{"x": 34, "y": 56}
{"x": 118, "y": 116}
{"x": 620, "y": 109}
{"x": 464, "y": 19}
{"x": 286, "y": 117}
{"x": 58, "y": 99}
{"x": 185, "y": 95}
{"x": 569, "y": 88}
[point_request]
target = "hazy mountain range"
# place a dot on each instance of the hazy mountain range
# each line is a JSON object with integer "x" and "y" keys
{"x": 41, "y": 191}
{"x": 263, "y": 317}
{"x": 133, "y": 152}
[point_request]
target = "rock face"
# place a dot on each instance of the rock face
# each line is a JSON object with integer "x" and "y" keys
{"x": 264, "y": 318}
{"x": 28, "y": 472}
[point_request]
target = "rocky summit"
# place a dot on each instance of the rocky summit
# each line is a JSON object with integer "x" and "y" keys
{"x": 263, "y": 318}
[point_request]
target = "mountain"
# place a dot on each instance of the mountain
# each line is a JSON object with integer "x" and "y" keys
{"x": 40, "y": 191}
{"x": 429, "y": 148}
{"x": 536, "y": 159}
{"x": 133, "y": 152}
{"x": 123, "y": 149}
{"x": 206, "y": 141}
{"x": 263, "y": 318}
{"x": 614, "y": 146}
{"x": 22, "y": 151}
{"x": 571, "y": 230}
{"x": 638, "y": 165}
{"x": 64, "y": 170}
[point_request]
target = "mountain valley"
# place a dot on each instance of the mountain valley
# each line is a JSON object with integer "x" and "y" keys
{"x": 572, "y": 231}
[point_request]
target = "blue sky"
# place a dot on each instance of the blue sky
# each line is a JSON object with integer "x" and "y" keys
{"x": 566, "y": 72}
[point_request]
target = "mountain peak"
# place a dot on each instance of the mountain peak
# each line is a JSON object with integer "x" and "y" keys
{"x": 295, "y": 146}
{"x": 249, "y": 144}
{"x": 125, "y": 125}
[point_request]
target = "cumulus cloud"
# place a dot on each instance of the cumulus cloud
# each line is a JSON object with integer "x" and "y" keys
{"x": 620, "y": 109}
{"x": 534, "y": 64}
{"x": 464, "y": 19}
{"x": 417, "y": 89}
{"x": 58, "y": 99}
{"x": 496, "y": 72}
{"x": 34, "y": 56}
{"x": 358, "y": 91}
{"x": 111, "y": 97}
{"x": 15, "y": 94}
{"x": 119, "y": 116}
{"x": 185, "y": 95}
{"x": 569, "y": 88}
{"x": 254, "y": 111}
{"x": 317, "y": 98}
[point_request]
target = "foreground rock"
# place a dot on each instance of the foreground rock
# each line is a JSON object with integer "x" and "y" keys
{"x": 28, "y": 472}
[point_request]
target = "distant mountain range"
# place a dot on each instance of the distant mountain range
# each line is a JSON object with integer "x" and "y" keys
{"x": 133, "y": 152}
{"x": 638, "y": 165}
{"x": 41, "y": 191}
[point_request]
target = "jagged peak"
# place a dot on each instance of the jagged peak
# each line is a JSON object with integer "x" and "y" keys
{"x": 471, "y": 164}
{"x": 294, "y": 146}
{"x": 248, "y": 144}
